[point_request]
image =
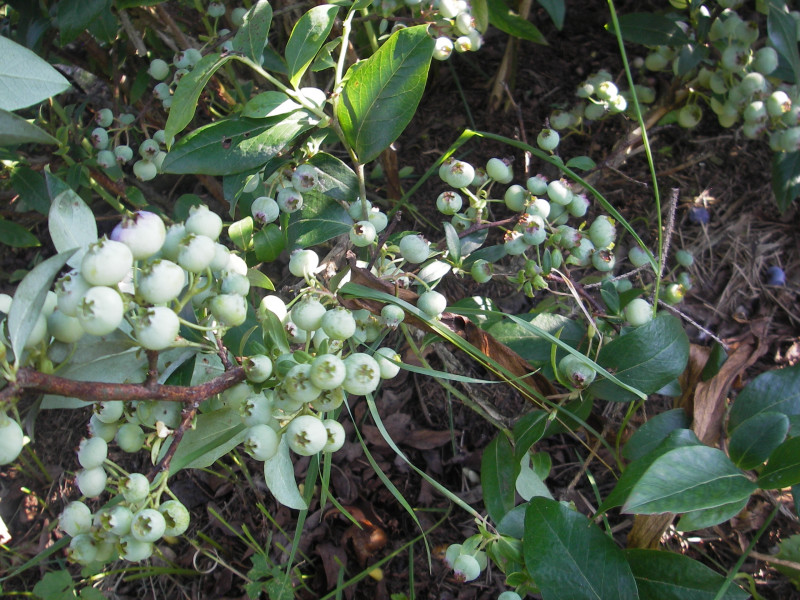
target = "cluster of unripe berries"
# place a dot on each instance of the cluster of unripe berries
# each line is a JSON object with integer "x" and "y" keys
{"x": 737, "y": 83}
{"x": 107, "y": 138}
{"x": 455, "y": 27}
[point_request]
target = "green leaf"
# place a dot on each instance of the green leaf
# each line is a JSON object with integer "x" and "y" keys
{"x": 55, "y": 585}
{"x": 308, "y": 36}
{"x": 252, "y": 35}
{"x": 71, "y": 224}
{"x": 499, "y": 471}
{"x": 650, "y": 29}
{"x": 336, "y": 179}
{"x": 773, "y": 391}
{"x": 688, "y": 479}
{"x": 662, "y": 575}
{"x": 708, "y": 517}
{"x": 215, "y": 434}
{"x": 582, "y": 163}
{"x": 29, "y": 299}
{"x": 269, "y": 104}
{"x": 679, "y": 438}
{"x": 233, "y": 145}
{"x": 557, "y": 10}
{"x": 531, "y": 346}
{"x": 75, "y": 15}
{"x": 714, "y": 363}
{"x": 258, "y": 279}
{"x": 530, "y": 482}
{"x": 502, "y": 17}
{"x": 32, "y": 189}
{"x": 381, "y": 96}
{"x": 318, "y": 221}
{"x": 279, "y": 476}
{"x": 184, "y": 101}
{"x": 453, "y": 243}
{"x": 655, "y": 431}
{"x": 646, "y": 358}
{"x": 269, "y": 243}
{"x": 690, "y": 56}
{"x": 782, "y": 31}
{"x": 752, "y": 443}
{"x": 783, "y": 466}
{"x": 785, "y": 178}
{"x": 513, "y": 523}
{"x": 528, "y": 430}
{"x": 16, "y": 236}
{"x": 16, "y": 130}
{"x": 26, "y": 79}
{"x": 610, "y": 295}
{"x": 570, "y": 558}
{"x": 480, "y": 12}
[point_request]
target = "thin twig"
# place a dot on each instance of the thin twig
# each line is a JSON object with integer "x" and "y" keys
{"x": 133, "y": 35}
{"x": 685, "y": 317}
{"x": 670, "y": 227}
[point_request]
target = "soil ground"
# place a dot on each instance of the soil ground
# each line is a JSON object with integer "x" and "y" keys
{"x": 730, "y": 301}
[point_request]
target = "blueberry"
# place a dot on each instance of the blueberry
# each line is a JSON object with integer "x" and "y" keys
{"x": 776, "y": 276}
{"x": 699, "y": 215}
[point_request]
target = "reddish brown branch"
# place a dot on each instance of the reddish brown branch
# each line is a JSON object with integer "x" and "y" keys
{"x": 30, "y": 380}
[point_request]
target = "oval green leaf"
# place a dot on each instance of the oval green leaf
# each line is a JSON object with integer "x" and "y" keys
{"x": 688, "y": 479}
{"x": 308, "y": 36}
{"x": 773, "y": 391}
{"x": 318, "y": 221}
{"x": 499, "y": 471}
{"x": 655, "y": 431}
{"x": 650, "y": 29}
{"x": 381, "y": 96}
{"x": 26, "y": 79}
{"x": 279, "y": 477}
{"x": 570, "y": 558}
{"x": 16, "y": 130}
{"x": 16, "y": 236}
{"x": 252, "y": 35}
{"x": 647, "y": 358}
{"x": 753, "y": 442}
{"x": 783, "y": 467}
{"x": 71, "y": 224}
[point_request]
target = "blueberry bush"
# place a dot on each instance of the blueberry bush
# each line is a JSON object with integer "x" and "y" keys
{"x": 157, "y": 309}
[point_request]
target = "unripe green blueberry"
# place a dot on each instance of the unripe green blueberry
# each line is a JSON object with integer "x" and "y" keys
{"x": 145, "y": 170}
{"x": 359, "y": 208}
{"x": 303, "y": 263}
{"x": 106, "y": 159}
{"x": 92, "y": 452}
{"x": 466, "y": 568}
{"x": 99, "y": 138}
{"x": 82, "y": 549}
{"x": 148, "y": 525}
{"x": 638, "y": 312}
{"x": 130, "y": 438}
{"x": 161, "y": 281}
{"x": 481, "y": 270}
{"x": 257, "y": 408}
{"x": 261, "y": 442}
{"x": 499, "y": 170}
{"x": 656, "y": 61}
{"x": 674, "y": 293}
{"x": 327, "y": 372}
{"x": 202, "y": 221}
{"x": 157, "y": 328}
{"x": 329, "y": 400}
{"x": 684, "y": 258}
{"x": 159, "y": 69}
{"x": 594, "y": 112}
{"x": 215, "y": 10}
{"x": 98, "y": 428}
{"x": 229, "y": 309}
{"x": 222, "y": 263}
{"x": 576, "y": 372}
{"x": 443, "y": 48}
{"x": 134, "y": 488}
{"x": 143, "y": 233}
{"x": 176, "y": 517}
{"x": 64, "y": 328}
{"x": 362, "y": 234}
{"x": 618, "y": 104}
{"x": 540, "y": 207}
{"x": 735, "y": 58}
{"x": 548, "y": 139}
{"x": 581, "y": 255}
{"x": 100, "y": 311}
{"x": 432, "y": 303}
{"x": 363, "y": 374}
{"x": 386, "y": 359}
{"x": 508, "y": 594}
{"x": 195, "y": 252}
{"x": 134, "y": 550}
{"x": 289, "y": 200}
{"x": 338, "y": 323}
{"x": 559, "y": 192}
{"x": 148, "y": 149}
{"x": 161, "y": 91}
{"x": 459, "y": 174}
{"x": 765, "y": 60}
{"x": 537, "y": 185}
{"x": 515, "y": 198}
{"x": 76, "y": 518}
{"x": 258, "y": 368}
{"x": 778, "y": 103}
{"x": 264, "y": 210}
{"x": 514, "y": 243}
{"x": 689, "y": 116}
{"x": 298, "y": 384}
{"x": 602, "y": 232}
{"x": 561, "y": 119}
{"x": 91, "y": 482}
{"x": 790, "y": 140}
{"x": 378, "y": 219}
{"x": 638, "y": 256}
{"x": 603, "y": 260}
{"x": 306, "y": 435}
{"x": 685, "y": 279}
{"x": 414, "y": 248}
{"x": 106, "y": 262}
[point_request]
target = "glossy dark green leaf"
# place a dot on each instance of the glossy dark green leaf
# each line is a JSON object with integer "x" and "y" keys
{"x": 453, "y": 243}
{"x": 773, "y": 391}
{"x": 184, "y": 101}
{"x": 570, "y": 558}
{"x": 382, "y": 94}
{"x": 509, "y": 21}
{"x": 320, "y": 220}
{"x": 241, "y": 233}
{"x": 528, "y": 430}
{"x": 785, "y": 178}
{"x": 581, "y": 163}
{"x": 336, "y": 179}
{"x": 646, "y": 358}
{"x": 783, "y": 466}
{"x": 31, "y": 188}
{"x": 216, "y": 434}
{"x": 104, "y": 27}
{"x": 752, "y": 442}
{"x": 15, "y": 235}
{"x": 782, "y": 31}
{"x": 74, "y": 16}
{"x": 655, "y": 431}
{"x": 480, "y": 12}
{"x": 557, "y": 9}
{"x": 610, "y": 295}
{"x": 708, "y": 517}
{"x": 269, "y": 104}
{"x": 662, "y": 575}
{"x": 513, "y": 522}
{"x": 650, "y": 29}
{"x": 499, "y": 472}
{"x": 16, "y": 130}
{"x": 269, "y": 243}
{"x": 233, "y": 145}
{"x": 688, "y": 479}
{"x": 252, "y": 35}
{"x": 678, "y": 438}
{"x": 716, "y": 359}
{"x": 689, "y": 56}
{"x": 308, "y": 36}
